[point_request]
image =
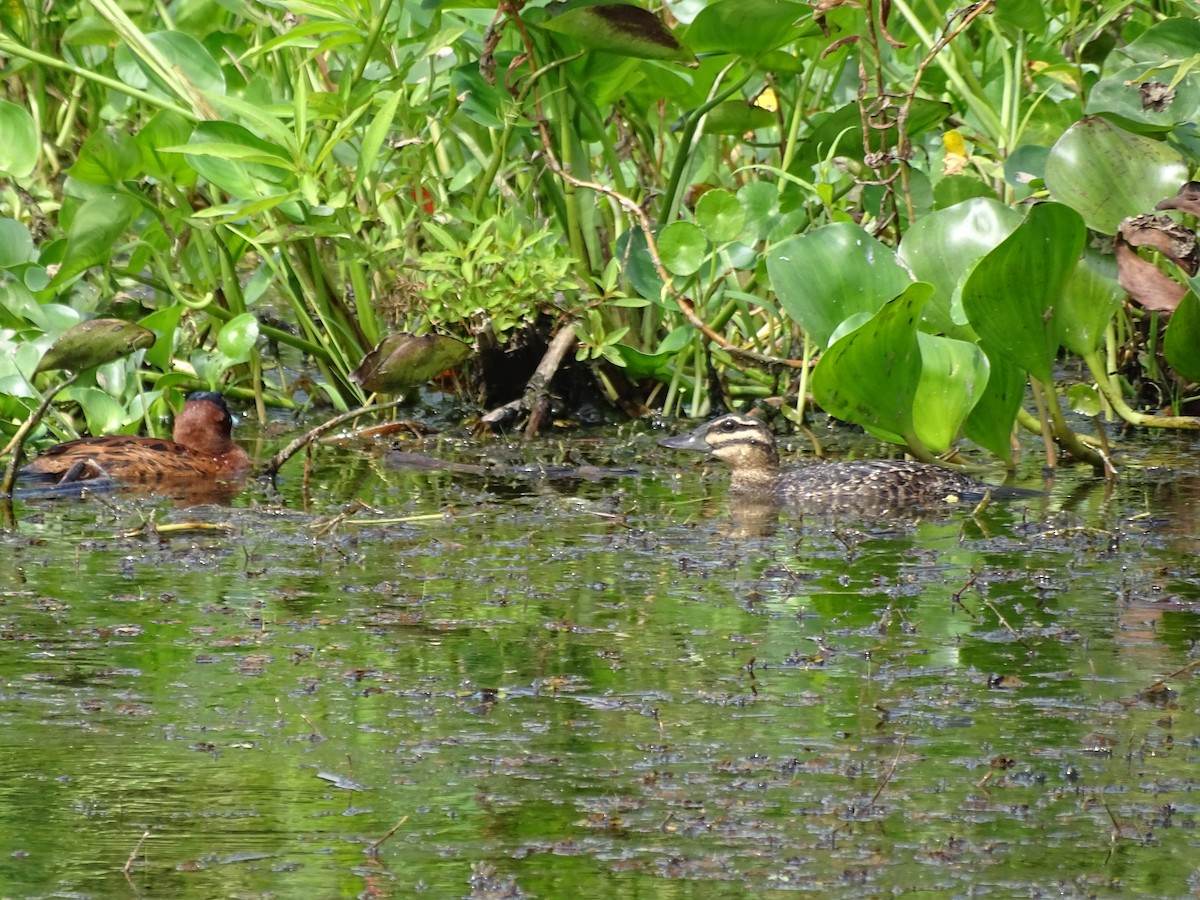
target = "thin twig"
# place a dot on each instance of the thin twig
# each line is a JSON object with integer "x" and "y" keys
{"x": 374, "y": 848}
{"x": 133, "y": 854}
{"x": 272, "y": 466}
{"x": 17, "y": 444}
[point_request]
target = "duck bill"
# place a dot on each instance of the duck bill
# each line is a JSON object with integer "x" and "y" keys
{"x": 693, "y": 441}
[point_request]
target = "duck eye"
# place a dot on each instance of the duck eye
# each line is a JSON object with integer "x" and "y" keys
{"x": 728, "y": 426}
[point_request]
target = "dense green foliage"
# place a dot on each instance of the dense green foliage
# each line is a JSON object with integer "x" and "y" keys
{"x": 755, "y": 183}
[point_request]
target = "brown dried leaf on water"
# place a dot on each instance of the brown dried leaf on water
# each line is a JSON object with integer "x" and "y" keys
{"x": 94, "y": 343}
{"x": 1146, "y": 284}
{"x": 402, "y": 361}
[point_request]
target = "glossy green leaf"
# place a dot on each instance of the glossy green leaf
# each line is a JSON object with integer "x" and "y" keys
{"x": 403, "y": 361}
{"x": 828, "y": 274}
{"x": 16, "y": 244}
{"x": 747, "y": 27}
{"x": 720, "y": 216}
{"x": 682, "y": 248}
{"x": 1011, "y": 295}
{"x": 103, "y": 413}
{"x": 1106, "y": 174}
{"x": 871, "y": 375}
{"x": 1153, "y": 82}
{"x": 737, "y": 117}
{"x": 238, "y": 337}
{"x": 1090, "y": 298}
{"x": 166, "y": 128}
{"x": 97, "y": 226}
{"x": 18, "y": 140}
{"x": 760, "y": 203}
{"x": 620, "y": 28}
{"x": 990, "y": 423}
{"x": 1085, "y": 400}
{"x": 1181, "y": 346}
{"x": 109, "y": 157}
{"x": 237, "y": 161}
{"x": 94, "y": 343}
{"x": 181, "y": 51}
{"x": 953, "y": 377}
{"x": 941, "y": 248}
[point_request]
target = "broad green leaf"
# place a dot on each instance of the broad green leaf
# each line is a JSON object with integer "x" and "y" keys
{"x": 737, "y": 117}
{"x": 1106, "y": 174}
{"x": 639, "y": 365}
{"x": 403, "y": 361}
{"x": 166, "y": 128}
{"x": 97, "y": 226}
{"x": 233, "y": 159}
{"x": 183, "y": 52}
{"x": 871, "y": 375}
{"x": 760, "y": 202}
{"x": 94, "y": 343}
{"x": 620, "y": 28}
{"x": 954, "y": 375}
{"x": 1090, "y": 298}
{"x": 104, "y": 414}
{"x": 16, "y": 244}
{"x": 747, "y": 27}
{"x": 1085, "y": 399}
{"x": 109, "y": 157}
{"x": 1153, "y": 83}
{"x": 237, "y": 337}
{"x": 828, "y": 274}
{"x": 720, "y": 215}
{"x": 990, "y": 423}
{"x": 1011, "y": 295}
{"x": 682, "y": 248}
{"x": 1181, "y": 346}
{"x": 942, "y": 247}
{"x": 18, "y": 140}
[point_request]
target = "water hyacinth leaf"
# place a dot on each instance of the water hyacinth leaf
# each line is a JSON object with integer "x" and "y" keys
{"x": 639, "y": 365}
{"x": 941, "y": 248}
{"x": 238, "y": 162}
{"x": 990, "y": 423}
{"x": 720, "y": 216}
{"x": 104, "y": 414}
{"x": 403, "y": 361}
{"x": 1181, "y": 346}
{"x": 682, "y": 248}
{"x": 109, "y": 156}
{"x": 828, "y": 274}
{"x": 871, "y": 375}
{"x": 747, "y": 27}
{"x": 96, "y": 228}
{"x": 16, "y": 244}
{"x": 954, "y": 375}
{"x": 166, "y": 128}
{"x": 736, "y": 117}
{"x": 1106, "y": 174}
{"x": 620, "y": 28}
{"x": 633, "y": 254}
{"x": 760, "y": 204}
{"x": 94, "y": 343}
{"x": 1090, "y": 299}
{"x": 18, "y": 140}
{"x": 1148, "y": 97}
{"x": 1011, "y": 295}
{"x": 182, "y": 52}
{"x": 237, "y": 338}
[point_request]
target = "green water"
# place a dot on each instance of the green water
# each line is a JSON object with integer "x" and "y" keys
{"x": 611, "y": 688}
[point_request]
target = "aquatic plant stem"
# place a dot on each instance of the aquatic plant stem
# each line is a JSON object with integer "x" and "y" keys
{"x": 1112, "y": 393}
{"x": 272, "y": 466}
{"x": 17, "y": 444}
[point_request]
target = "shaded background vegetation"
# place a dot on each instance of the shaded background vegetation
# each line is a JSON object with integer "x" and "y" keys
{"x": 709, "y": 197}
